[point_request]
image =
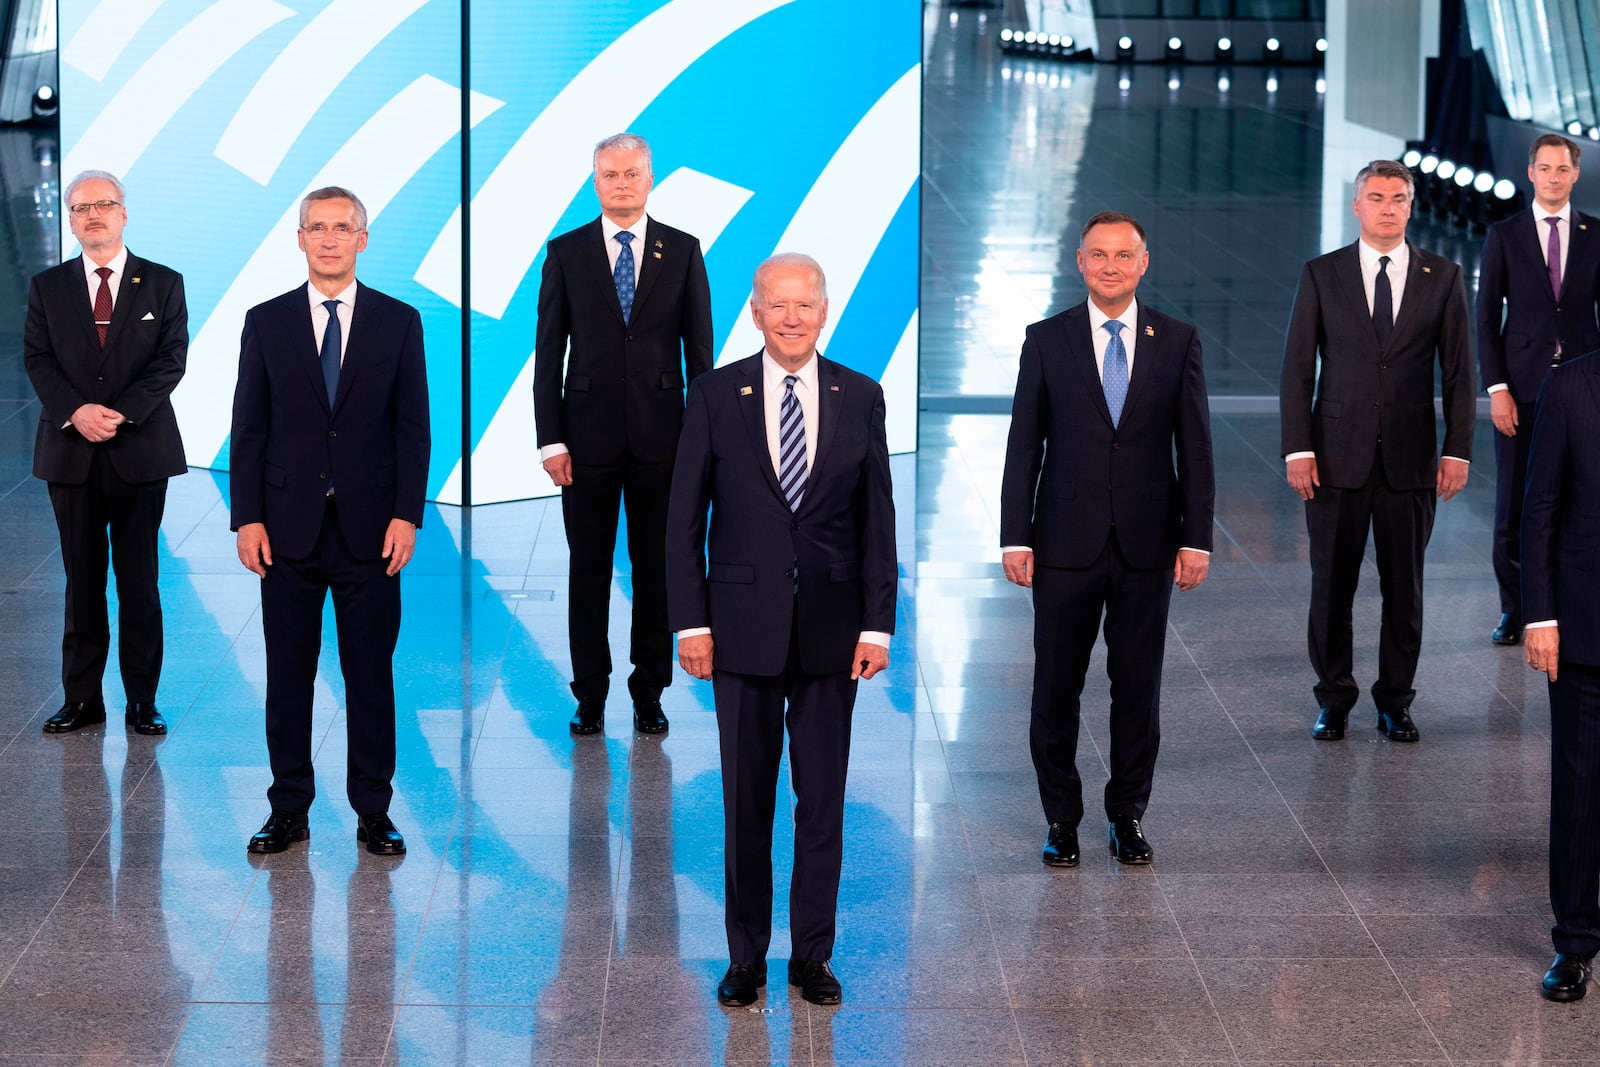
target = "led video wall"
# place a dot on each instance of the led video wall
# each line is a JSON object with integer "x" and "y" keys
{"x": 788, "y": 125}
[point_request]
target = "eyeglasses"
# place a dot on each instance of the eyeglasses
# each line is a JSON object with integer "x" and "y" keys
{"x": 341, "y": 232}
{"x": 101, "y": 206}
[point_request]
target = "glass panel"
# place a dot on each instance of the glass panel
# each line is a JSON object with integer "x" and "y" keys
{"x": 1545, "y": 56}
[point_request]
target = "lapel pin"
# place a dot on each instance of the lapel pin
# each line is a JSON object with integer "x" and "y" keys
{"x": 1427, "y": 270}
{"x": 660, "y": 245}
{"x": 833, "y": 388}
{"x": 746, "y": 391}
{"x": 135, "y": 281}
{"x": 1149, "y": 331}
{"x": 656, "y": 254}
{"x": 1583, "y": 226}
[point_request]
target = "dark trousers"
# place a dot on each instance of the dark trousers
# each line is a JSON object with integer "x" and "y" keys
{"x": 1067, "y": 608}
{"x": 750, "y": 724}
{"x": 366, "y": 611}
{"x": 1511, "y": 479}
{"x": 131, "y": 513}
{"x": 1575, "y": 808}
{"x": 1401, "y": 521}
{"x": 589, "y": 508}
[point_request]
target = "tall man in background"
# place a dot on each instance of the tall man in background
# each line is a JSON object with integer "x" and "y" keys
{"x": 1538, "y": 298}
{"x": 105, "y": 343}
{"x": 330, "y": 464}
{"x": 1097, "y": 521}
{"x": 1360, "y": 443}
{"x": 624, "y": 326}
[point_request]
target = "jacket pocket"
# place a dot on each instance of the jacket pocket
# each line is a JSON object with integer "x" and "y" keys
{"x": 730, "y": 572}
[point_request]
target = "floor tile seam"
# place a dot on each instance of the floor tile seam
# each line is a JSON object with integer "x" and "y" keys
{"x": 1194, "y": 965}
{"x": 938, "y": 190}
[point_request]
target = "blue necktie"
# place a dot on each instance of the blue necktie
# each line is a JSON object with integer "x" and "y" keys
{"x": 791, "y": 445}
{"x": 1115, "y": 376}
{"x": 330, "y": 351}
{"x": 623, "y": 275}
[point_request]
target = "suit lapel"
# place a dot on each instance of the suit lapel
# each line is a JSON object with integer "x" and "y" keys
{"x": 1080, "y": 354}
{"x": 1527, "y": 245}
{"x": 310, "y": 358}
{"x": 830, "y": 402}
{"x": 76, "y": 290}
{"x": 1353, "y": 291}
{"x": 753, "y": 406}
{"x": 1419, "y": 287}
{"x": 1143, "y": 361}
{"x": 650, "y": 256}
{"x": 599, "y": 256}
{"x": 122, "y": 307}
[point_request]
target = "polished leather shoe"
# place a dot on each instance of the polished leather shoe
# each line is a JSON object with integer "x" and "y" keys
{"x": 648, "y": 718}
{"x": 1330, "y": 724}
{"x": 279, "y": 831}
{"x": 1397, "y": 725}
{"x": 590, "y": 718}
{"x": 816, "y": 981}
{"x": 1060, "y": 846}
{"x": 738, "y": 987}
{"x": 1567, "y": 978}
{"x": 1509, "y": 632}
{"x": 145, "y": 719}
{"x": 75, "y": 715}
{"x": 379, "y": 835}
{"x": 1127, "y": 841}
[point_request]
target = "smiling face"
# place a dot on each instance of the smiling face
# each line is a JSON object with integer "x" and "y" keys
{"x": 790, "y": 307}
{"x": 1112, "y": 258}
{"x": 99, "y": 230}
{"x": 1553, "y": 175}
{"x": 1383, "y": 207}
{"x": 330, "y": 236}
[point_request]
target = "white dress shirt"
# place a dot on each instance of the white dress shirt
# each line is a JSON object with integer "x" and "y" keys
{"x": 319, "y": 316}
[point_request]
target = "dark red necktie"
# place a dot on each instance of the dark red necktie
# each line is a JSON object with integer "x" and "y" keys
{"x": 102, "y": 305}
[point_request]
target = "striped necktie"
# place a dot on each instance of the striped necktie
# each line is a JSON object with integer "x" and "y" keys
{"x": 791, "y": 445}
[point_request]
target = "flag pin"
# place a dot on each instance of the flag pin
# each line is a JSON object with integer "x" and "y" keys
{"x": 833, "y": 388}
{"x": 656, "y": 254}
{"x": 1149, "y": 331}
{"x": 1427, "y": 270}
{"x": 135, "y": 281}
{"x": 746, "y": 391}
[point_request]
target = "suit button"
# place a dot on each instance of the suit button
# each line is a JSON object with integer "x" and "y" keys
{"x": 1115, "y": 446}
{"x": 323, "y": 475}
{"x": 333, "y": 433}
{"x": 794, "y": 526}
{"x": 628, "y": 338}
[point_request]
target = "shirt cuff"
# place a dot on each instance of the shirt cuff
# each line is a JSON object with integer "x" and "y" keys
{"x": 1502, "y": 387}
{"x": 1015, "y": 548}
{"x": 1202, "y": 551}
{"x": 1468, "y": 462}
{"x": 1292, "y": 456}
{"x": 550, "y": 451}
{"x": 873, "y": 637}
{"x": 695, "y": 631}
{"x": 1539, "y": 625}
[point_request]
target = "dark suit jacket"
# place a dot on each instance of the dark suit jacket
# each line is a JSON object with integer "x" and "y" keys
{"x": 135, "y": 373}
{"x": 1515, "y": 347}
{"x": 1069, "y": 474}
{"x": 624, "y": 382}
{"x": 1561, "y": 511}
{"x": 742, "y": 582}
{"x": 1365, "y": 390}
{"x": 288, "y": 441}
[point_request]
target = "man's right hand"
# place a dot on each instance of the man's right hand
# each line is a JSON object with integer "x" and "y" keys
{"x": 559, "y": 468}
{"x": 1542, "y": 647}
{"x": 1303, "y": 476}
{"x": 255, "y": 551}
{"x": 95, "y": 422}
{"x": 1018, "y": 567}
{"x": 1503, "y": 411}
{"x": 694, "y": 655}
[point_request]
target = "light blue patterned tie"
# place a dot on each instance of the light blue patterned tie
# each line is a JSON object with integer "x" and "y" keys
{"x": 1115, "y": 377}
{"x": 791, "y": 445}
{"x": 623, "y": 275}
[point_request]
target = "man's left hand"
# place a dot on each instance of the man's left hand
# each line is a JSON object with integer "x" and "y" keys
{"x": 1191, "y": 569}
{"x": 869, "y": 660}
{"x": 1452, "y": 477}
{"x": 399, "y": 542}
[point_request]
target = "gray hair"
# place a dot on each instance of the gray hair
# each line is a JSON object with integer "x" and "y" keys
{"x": 1386, "y": 168}
{"x": 787, "y": 259}
{"x": 334, "y": 192}
{"x": 624, "y": 142}
{"x": 93, "y": 176}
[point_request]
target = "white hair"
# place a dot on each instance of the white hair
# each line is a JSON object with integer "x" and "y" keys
{"x": 788, "y": 259}
{"x": 96, "y": 176}
{"x": 624, "y": 142}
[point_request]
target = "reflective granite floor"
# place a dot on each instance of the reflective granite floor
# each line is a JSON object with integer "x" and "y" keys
{"x": 1356, "y": 903}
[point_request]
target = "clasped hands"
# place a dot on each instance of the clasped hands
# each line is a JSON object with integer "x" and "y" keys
{"x": 96, "y": 422}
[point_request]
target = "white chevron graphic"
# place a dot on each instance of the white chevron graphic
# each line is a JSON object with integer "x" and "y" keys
{"x": 843, "y": 218}
{"x": 124, "y": 128}
{"x": 108, "y": 30}
{"x": 552, "y": 160}
{"x": 376, "y": 162}
{"x": 284, "y": 100}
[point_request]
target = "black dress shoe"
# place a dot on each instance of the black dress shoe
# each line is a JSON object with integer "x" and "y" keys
{"x": 75, "y": 715}
{"x": 816, "y": 981}
{"x": 1397, "y": 725}
{"x": 1509, "y": 632}
{"x": 379, "y": 835}
{"x": 1567, "y": 977}
{"x": 648, "y": 718}
{"x": 280, "y": 829}
{"x": 590, "y": 718}
{"x": 1330, "y": 724}
{"x": 145, "y": 719}
{"x": 1127, "y": 841}
{"x": 1060, "y": 846}
{"x": 738, "y": 987}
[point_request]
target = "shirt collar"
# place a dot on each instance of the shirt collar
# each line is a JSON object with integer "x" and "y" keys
{"x": 346, "y": 296}
{"x": 1128, "y": 318}
{"x": 1565, "y": 214}
{"x": 1399, "y": 256}
{"x": 609, "y": 230}
{"x": 118, "y": 264}
{"x": 774, "y": 373}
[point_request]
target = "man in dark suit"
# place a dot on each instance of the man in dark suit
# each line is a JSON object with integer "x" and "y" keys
{"x": 1560, "y": 536}
{"x": 1538, "y": 297}
{"x": 105, "y": 342}
{"x": 792, "y": 599}
{"x": 330, "y": 463}
{"x": 624, "y": 300}
{"x": 1094, "y": 518}
{"x": 1359, "y": 439}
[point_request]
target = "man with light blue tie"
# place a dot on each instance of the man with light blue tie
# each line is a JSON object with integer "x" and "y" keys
{"x": 1098, "y": 520}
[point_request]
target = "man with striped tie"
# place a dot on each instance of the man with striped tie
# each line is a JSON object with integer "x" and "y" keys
{"x": 787, "y": 596}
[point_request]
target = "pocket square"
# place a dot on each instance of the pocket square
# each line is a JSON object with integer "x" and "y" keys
{"x": 149, "y": 316}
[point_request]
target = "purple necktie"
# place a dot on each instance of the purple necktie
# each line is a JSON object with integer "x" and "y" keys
{"x": 1553, "y": 253}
